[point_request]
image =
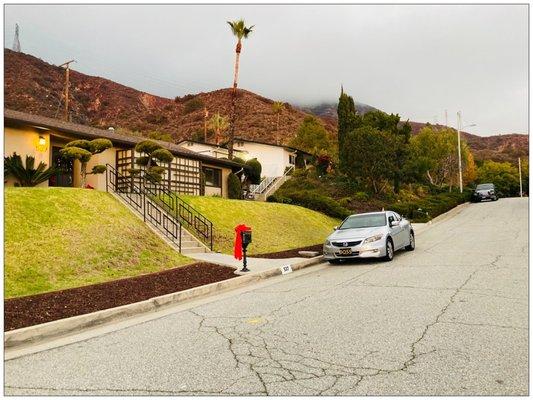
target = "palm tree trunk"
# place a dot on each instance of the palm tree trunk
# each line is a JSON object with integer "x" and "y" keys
{"x": 236, "y": 70}
{"x": 277, "y": 130}
{"x": 234, "y": 99}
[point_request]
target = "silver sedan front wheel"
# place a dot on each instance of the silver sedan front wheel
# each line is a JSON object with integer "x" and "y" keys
{"x": 389, "y": 250}
{"x": 411, "y": 245}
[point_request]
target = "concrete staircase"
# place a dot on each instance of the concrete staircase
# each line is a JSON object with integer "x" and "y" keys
{"x": 164, "y": 212}
{"x": 269, "y": 185}
{"x": 168, "y": 232}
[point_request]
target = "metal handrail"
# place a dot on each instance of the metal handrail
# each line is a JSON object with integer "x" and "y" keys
{"x": 183, "y": 213}
{"x": 267, "y": 182}
{"x": 264, "y": 184}
{"x": 135, "y": 196}
{"x": 201, "y": 226}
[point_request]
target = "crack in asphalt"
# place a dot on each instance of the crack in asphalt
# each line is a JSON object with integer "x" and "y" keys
{"x": 264, "y": 361}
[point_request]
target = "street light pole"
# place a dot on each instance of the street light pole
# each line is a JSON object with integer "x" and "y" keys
{"x": 520, "y": 174}
{"x": 459, "y": 149}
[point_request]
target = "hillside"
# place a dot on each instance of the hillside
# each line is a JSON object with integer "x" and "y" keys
{"x": 58, "y": 238}
{"x": 500, "y": 148}
{"x": 34, "y": 86}
{"x": 269, "y": 223}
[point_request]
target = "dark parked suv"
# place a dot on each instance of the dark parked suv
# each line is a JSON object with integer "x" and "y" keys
{"x": 484, "y": 191}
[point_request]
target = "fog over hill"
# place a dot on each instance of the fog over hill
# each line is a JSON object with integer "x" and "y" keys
{"x": 35, "y": 86}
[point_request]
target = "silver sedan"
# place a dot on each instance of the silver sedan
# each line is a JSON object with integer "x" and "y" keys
{"x": 376, "y": 235}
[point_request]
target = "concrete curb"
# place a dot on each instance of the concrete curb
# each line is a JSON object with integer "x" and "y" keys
{"x": 54, "y": 329}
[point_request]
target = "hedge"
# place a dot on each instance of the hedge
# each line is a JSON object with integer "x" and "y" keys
{"x": 425, "y": 209}
{"x": 312, "y": 200}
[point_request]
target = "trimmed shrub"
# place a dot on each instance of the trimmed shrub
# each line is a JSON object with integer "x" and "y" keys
{"x": 431, "y": 206}
{"x": 274, "y": 198}
{"x": 238, "y": 160}
{"x": 254, "y": 172}
{"x": 234, "y": 187}
{"x": 314, "y": 201}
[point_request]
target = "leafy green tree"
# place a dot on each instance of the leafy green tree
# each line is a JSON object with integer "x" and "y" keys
{"x": 83, "y": 150}
{"x": 27, "y": 175}
{"x": 369, "y": 157}
{"x": 313, "y": 138}
{"x": 152, "y": 154}
{"x": 504, "y": 175}
{"x": 434, "y": 156}
{"x": 401, "y": 133}
{"x": 240, "y": 31}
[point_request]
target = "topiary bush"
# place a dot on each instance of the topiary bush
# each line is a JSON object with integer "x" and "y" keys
{"x": 234, "y": 187}
{"x": 83, "y": 150}
{"x": 153, "y": 153}
{"x": 254, "y": 171}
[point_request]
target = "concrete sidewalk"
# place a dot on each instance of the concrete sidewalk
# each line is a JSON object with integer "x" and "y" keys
{"x": 254, "y": 264}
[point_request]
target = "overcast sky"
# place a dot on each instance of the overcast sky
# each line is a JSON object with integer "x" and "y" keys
{"x": 416, "y": 60}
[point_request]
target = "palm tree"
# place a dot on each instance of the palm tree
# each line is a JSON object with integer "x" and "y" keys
{"x": 27, "y": 175}
{"x": 277, "y": 108}
{"x": 219, "y": 124}
{"x": 241, "y": 31}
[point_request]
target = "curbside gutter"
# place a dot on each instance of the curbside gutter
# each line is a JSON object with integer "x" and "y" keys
{"x": 442, "y": 217}
{"x": 32, "y": 335}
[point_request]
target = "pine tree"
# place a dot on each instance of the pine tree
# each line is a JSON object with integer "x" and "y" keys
{"x": 348, "y": 120}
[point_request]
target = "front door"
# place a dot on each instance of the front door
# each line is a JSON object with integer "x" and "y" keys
{"x": 65, "y": 175}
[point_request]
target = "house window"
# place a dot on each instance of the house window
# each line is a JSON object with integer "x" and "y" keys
{"x": 213, "y": 177}
{"x": 292, "y": 159}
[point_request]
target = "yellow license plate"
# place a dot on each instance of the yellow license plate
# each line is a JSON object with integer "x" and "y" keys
{"x": 345, "y": 252}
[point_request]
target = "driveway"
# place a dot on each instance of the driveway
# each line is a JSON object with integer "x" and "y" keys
{"x": 449, "y": 318}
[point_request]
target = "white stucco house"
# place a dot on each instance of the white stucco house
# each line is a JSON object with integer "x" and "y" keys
{"x": 274, "y": 158}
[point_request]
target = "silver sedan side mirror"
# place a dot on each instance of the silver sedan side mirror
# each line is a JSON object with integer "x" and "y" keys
{"x": 395, "y": 223}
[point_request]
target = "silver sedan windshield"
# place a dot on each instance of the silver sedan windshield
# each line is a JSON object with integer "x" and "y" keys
{"x": 364, "y": 221}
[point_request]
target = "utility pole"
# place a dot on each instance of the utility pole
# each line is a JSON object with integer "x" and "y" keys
{"x": 67, "y": 85}
{"x": 459, "y": 151}
{"x": 520, "y": 174}
{"x": 16, "y": 42}
{"x": 446, "y": 118}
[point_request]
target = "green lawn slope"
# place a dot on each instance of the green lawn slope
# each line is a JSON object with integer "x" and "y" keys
{"x": 57, "y": 238}
{"x": 276, "y": 227}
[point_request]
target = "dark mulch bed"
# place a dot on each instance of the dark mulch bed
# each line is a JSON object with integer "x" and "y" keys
{"x": 291, "y": 253}
{"x": 37, "y": 309}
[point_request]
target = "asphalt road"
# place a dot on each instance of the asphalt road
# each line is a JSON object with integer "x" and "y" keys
{"x": 449, "y": 318}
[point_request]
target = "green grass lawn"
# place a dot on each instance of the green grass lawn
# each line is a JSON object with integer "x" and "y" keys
{"x": 57, "y": 238}
{"x": 276, "y": 227}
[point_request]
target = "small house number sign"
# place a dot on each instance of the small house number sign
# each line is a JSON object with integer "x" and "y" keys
{"x": 286, "y": 269}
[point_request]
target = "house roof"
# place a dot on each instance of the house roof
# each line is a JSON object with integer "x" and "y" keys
{"x": 246, "y": 140}
{"x": 88, "y": 132}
